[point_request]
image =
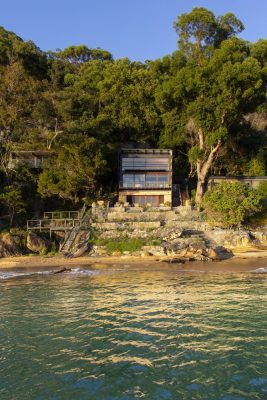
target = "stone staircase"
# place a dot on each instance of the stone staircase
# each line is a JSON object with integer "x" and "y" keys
{"x": 138, "y": 223}
{"x": 76, "y": 239}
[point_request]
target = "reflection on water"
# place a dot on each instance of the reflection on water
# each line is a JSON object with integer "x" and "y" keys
{"x": 133, "y": 334}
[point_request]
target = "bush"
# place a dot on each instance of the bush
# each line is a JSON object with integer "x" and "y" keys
{"x": 230, "y": 204}
{"x": 130, "y": 245}
{"x": 260, "y": 218}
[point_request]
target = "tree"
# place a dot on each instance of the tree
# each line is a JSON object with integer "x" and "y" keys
{"x": 81, "y": 54}
{"x": 229, "y": 204}
{"x": 12, "y": 200}
{"x": 203, "y": 100}
{"x": 75, "y": 173}
{"x": 19, "y": 95}
{"x": 200, "y": 31}
{"x": 113, "y": 100}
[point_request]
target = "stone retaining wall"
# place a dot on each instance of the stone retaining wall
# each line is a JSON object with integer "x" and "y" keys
{"x": 126, "y": 225}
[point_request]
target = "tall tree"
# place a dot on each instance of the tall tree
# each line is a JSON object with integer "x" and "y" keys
{"x": 76, "y": 172}
{"x": 211, "y": 93}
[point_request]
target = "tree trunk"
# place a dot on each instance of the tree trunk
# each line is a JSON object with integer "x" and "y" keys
{"x": 11, "y": 218}
{"x": 200, "y": 190}
{"x": 203, "y": 168}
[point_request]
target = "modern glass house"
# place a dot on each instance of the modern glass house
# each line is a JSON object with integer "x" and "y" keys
{"x": 145, "y": 177}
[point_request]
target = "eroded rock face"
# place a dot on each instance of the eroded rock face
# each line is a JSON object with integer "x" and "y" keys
{"x": 37, "y": 244}
{"x": 231, "y": 239}
{"x": 154, "y": 250}
{"x": 9, "y": 246}
{"x": 172, "y": 235}
{"x": 98, "y": 251}
{"x": 199, "y": 252}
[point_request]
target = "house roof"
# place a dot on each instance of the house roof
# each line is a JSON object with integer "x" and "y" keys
{"x": 146, "y": 151}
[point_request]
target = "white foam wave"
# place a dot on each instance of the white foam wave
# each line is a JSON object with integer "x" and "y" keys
{"x": 81, "y": 271}
{"x": 262, "y": 270}
{"x": 14, "y": 274}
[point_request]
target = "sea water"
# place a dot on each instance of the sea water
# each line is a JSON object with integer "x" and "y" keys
{"x": 122, "y": 334}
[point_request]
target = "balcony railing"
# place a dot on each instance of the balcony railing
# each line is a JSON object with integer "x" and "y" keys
{"x": 145, "y": 186}
{"x": 52, "y": 224}
{"x": 61, "y": 215}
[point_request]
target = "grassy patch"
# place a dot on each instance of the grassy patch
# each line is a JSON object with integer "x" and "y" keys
{"x": 125, "y": 244}
{"x": 130, "y": 245}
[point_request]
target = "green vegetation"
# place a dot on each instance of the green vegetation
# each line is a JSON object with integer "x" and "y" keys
{"x": 125, "y": 244}
{"x": 230, "y": 204}
{"x": 12, "y": 201}
{"x": 130, "y": 245}
{"x": 206, "y": 101}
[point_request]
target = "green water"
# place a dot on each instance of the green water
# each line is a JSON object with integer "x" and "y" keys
{"x": 133, "y": 335}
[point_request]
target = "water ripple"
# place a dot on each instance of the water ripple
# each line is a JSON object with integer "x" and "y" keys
{"x": 134, "y": 334}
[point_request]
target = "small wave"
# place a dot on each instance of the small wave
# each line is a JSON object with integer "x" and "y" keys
{"x": 262, "y": 270}
{"x": 9, "y": 275}
{"x": 73, "y": 271}
{"x": 81, "y": 271}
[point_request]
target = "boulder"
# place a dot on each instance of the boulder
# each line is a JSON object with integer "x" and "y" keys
{"x": 177, "y": 246}
{"x": 174, "y": 260}
{"x": 9, "y": 246}
{"x": 231, "y": 238}
{"x": 37, "y": 244}
{"x": 172, "y": 235}
{"x": 116, "y": 254}
{"x": 145, "y": 254}
{"x": 99, "y": 251}
{"x": 155, "y": 250}
{"x": 219, "y": 253}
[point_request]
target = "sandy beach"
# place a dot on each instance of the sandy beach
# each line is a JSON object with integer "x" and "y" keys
{"x": 243, "y": 260}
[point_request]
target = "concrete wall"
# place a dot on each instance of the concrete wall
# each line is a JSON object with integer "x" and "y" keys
{"x": 252, "y": 181}
{"x": 124, "y": 225}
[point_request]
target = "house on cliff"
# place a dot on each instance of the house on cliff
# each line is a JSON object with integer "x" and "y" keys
{"x": 34, "y": 159}
{"x": 145, "y": 177}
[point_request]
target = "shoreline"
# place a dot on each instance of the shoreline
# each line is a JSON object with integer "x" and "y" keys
{"x": 240, "y": 262}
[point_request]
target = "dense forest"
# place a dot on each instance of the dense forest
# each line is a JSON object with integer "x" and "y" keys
{"x": 206, "y": 101}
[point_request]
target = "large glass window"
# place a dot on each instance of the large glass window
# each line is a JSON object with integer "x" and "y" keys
{"x": 162, "y": 181}
{"x": 134, "y": 181}
{"x": 153, "y": 201}
{"x": 128, "y": 181}
{"x": 139, "y": 181}
{"x": 151, "y": 181}
{"x": 145, "y": 163}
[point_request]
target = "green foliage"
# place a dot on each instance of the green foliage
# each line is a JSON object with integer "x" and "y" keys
{"x": 263, "y": 190}
{"x": 200, "y": 30}
{"x": 130, "y": 245}
{"x": 13, "y": 202}
{"x": 73, "y": 175}
{"x": 230, "y": 204}
{"x": 256, "y": 167}
{"x": 206, "y": 101}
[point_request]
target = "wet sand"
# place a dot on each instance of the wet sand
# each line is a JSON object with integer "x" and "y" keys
{"x": 243, "y": 261}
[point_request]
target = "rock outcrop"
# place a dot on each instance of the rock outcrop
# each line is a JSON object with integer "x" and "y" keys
{"x": 9, "y": 246}
{"x": 37, "y": 244}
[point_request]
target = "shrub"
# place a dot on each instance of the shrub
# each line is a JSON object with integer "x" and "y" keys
{"x": 230, "y": 204}
{"x": 121, "y": 245}
{"x": 260, "y": 218}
